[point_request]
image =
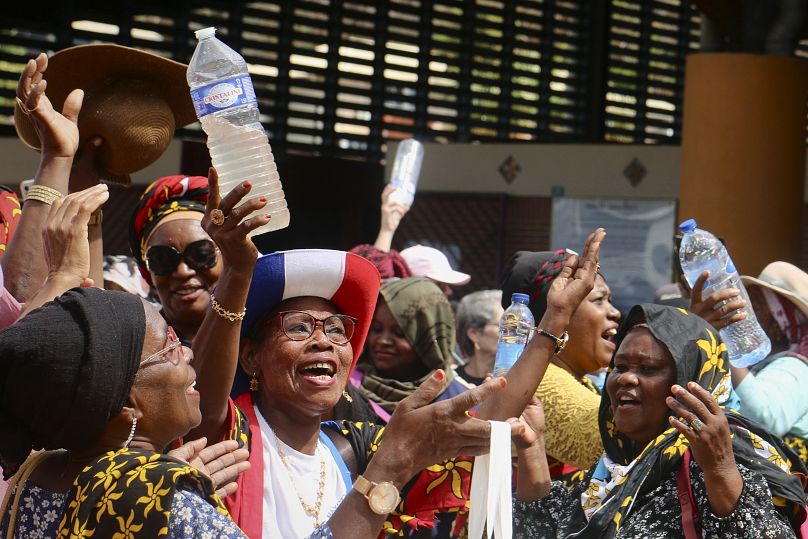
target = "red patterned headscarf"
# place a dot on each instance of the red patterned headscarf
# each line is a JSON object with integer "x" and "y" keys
{"x": 390, "y": 264}
{"x": 532, "y": 273}
{"x": 162, "y": 198}
{"x": 10, "y": 213}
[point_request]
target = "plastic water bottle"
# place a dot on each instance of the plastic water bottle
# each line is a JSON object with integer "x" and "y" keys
{"x": 700, "y": 251}
{"x": 515, "y": 328}
{"x": 225, "y": 103}
{"x": 406, "y": 169}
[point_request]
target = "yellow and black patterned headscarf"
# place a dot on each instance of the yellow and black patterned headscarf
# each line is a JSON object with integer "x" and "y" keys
{"x": 128, "y": 493}
{"x": 700, "y": 356}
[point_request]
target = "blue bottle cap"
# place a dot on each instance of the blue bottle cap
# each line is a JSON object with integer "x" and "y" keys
{"x": 730, "y": 267}
{"x": 516, "y": 296}
{"x": 688, "y": 226}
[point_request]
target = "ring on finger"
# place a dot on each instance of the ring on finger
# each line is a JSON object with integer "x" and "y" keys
{"x": 217, "y": 217}
{"x": 696, "y": 424}
{"x": 25, "y": 110}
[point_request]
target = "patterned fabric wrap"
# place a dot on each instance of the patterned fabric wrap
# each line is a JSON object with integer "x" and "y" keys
{"x": 700, "y": 356}
{"x": 532, "y": 273}
{"x": 10, "y": 214}
{"x": 163, "y": 197}
{"x": 790, "y": 319}
{"x": 128, "y": 493}
{"x": 390, "y": 264}
{"x": 425, "y": 316}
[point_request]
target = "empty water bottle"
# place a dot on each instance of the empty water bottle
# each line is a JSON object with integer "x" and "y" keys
{"x": 406, "y": 170}
{"x": 515, "y": 328}
{"x": 700, "y": 251}
{"x": 225, "y": 103}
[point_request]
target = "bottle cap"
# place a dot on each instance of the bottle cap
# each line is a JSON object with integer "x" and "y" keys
{"x": 205, "y": 33}
{"x": 688, "y": 226}
{"x": 516, "y": 296}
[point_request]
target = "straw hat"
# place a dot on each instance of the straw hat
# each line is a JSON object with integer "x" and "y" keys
{"x": 133, "y": 99}
{"x": 784, "y": 279}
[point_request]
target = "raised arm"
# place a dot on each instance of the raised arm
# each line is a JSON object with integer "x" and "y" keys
{"x": 572, "y": 285}
{"x": 392, "y": 213}
{"x": 66, "y": 245}
{"x": 217, "y": 341}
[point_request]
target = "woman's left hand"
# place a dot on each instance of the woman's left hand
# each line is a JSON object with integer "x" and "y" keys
{"x": 238, "y": 250}
{"x": 705, "y": 427}
{"x": 223, "y": 462}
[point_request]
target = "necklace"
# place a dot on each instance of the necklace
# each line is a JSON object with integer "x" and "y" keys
{"x": 312, "y": 511}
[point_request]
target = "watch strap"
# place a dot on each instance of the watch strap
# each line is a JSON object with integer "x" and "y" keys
{"x": 560, "y": 342}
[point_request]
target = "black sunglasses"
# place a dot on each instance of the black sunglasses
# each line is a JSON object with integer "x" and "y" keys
{"x": 164, "y": 259}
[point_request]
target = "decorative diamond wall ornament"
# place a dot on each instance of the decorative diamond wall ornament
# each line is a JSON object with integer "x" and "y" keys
{"x": 634, "y": 172}
{"x": 510, "y": 169}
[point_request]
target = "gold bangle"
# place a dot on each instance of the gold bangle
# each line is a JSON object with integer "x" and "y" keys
{"x": 224, "y": 313}
{"x": 42, "y": 193}
{"x": 96, "y": 218}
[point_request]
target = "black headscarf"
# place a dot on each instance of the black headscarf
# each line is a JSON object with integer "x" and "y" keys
{"x": 700, "y": 356}
{"x": 65, "y": 370}
{"x": 532, "y": 273}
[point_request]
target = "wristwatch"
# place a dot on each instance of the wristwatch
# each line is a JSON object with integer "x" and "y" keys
{"x": 560, "y": 342}
{"x": 382, "y": 497}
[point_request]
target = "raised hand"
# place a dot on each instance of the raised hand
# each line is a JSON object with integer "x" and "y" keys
{"x": 58, "y": 132}
{"x": 577, "y": 277}
{"x": 420, "y": 434}
{"x": 238, "y": 251}
{"x": 728, "y": 313}
{"x": 392, "y": 211}
{"x": 222, "y": 462}
{"x": 705, "y": 426}
{"x": 532, "y": 424}
{"x": 67, "y": 248}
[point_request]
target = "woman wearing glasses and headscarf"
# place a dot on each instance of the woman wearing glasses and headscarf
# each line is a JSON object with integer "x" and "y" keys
{"x": 173, "y": 251}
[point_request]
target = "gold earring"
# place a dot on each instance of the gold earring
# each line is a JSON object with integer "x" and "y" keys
{"x": 347, "y": 396}
{"x": 476, "y": 345}
{"x": 254, "y": 383}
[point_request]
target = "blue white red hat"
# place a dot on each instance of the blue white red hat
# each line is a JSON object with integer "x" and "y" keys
{"x": 347, "y": 280}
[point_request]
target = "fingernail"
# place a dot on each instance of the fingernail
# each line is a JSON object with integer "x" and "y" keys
{"x": 246, "y": 185}
{"x": 677, "y": 387}
{"x": 692, "y": 385}
{"x": 439, "y": 375}
{"x": 262, "y": 199}
{"x": 268, "y": 216}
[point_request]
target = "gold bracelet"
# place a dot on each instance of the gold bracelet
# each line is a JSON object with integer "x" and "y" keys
{"x": 224, "y": 313}
{"x": 44, "y": 194}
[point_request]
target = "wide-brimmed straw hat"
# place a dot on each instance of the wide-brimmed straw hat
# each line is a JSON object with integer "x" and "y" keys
{"x": 347, "y": 280}
{"x": 784, "y": 279}
{"x": 133, "y": 99}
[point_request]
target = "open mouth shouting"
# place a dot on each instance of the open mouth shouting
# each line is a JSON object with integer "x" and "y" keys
{"x": 321, "y": 373}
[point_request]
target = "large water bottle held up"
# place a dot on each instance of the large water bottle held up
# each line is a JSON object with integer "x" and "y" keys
{"x": 225, "y": 103}
{"x": 406, "y": 170}
{"x": 700, "y": 251}
{"x": 515, "y": 328}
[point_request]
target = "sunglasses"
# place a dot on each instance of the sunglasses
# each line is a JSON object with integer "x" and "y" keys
{"x": 164, "y": 259}
{"x": 165, "y": 353}
{"x": 299, "y": 326}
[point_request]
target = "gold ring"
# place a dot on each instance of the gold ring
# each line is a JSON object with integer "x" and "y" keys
{"x": 25, "y": 110}
{"x": 217, "y": 217}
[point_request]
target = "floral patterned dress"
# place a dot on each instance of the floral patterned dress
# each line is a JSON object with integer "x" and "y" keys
{"x": 657, "y": 513}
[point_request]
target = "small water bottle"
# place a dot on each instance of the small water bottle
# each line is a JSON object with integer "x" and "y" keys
{"x": 515, "y": 329}
{"x": 700, "y": 251}
{"x": 406, "y": 169}
{"x": 225, "y": 103}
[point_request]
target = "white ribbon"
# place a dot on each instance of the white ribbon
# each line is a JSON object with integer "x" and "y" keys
{"x": 491, "y": 498}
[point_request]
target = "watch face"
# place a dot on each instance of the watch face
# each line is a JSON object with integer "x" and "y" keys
{"x": 383, "y": 498}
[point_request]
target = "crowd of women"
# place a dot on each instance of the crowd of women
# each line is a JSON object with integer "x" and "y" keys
{"x": 319, "y": 393}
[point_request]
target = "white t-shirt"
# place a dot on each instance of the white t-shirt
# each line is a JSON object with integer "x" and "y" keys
{"x": 284, "y": 517}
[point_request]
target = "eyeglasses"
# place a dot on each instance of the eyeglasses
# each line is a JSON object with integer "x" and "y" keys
{"x": 158, "y": 357}
{"x": 164, "y": 259}
{"x": 299, "y": 326}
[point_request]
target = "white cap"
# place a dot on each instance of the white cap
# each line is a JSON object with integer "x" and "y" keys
{"x": 205, "y": 33}
{"x": 429, "y": 262}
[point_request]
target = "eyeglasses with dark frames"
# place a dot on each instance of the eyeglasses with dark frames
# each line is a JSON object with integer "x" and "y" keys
{"x": 199, "y": 256}
{"x": 299, "y": 326}
{"x": 166, "y": 354}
